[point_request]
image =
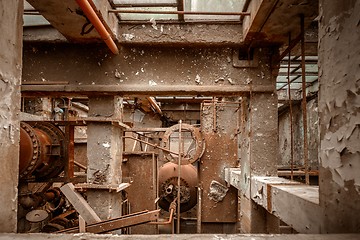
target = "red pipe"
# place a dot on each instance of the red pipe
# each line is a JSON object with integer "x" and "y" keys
{"x": 99, "y": 26}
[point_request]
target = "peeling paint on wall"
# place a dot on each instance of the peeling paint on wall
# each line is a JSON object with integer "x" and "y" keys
{"x": 339, "y": 108}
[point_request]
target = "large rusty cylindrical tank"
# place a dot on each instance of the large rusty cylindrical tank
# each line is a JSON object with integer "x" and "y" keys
{"x": 41, "y": 151}
{"x": 168, "y": 186}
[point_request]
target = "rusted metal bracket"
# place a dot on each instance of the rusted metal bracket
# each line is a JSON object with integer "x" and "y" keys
{"x": 109, "y": 187}
{"x": 118, "y": 223}
{"x": 237, "y": 63}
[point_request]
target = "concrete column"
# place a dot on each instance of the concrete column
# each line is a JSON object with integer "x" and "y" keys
{"x": 104, "y": 152}
{"x": 10, "y": 77}
{"x": 258, "y": 146}
{"x": 339, "y": 108}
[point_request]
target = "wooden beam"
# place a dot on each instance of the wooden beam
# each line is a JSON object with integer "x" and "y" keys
{"x": 80, "y": 204}
{"x": 145, "y": 90}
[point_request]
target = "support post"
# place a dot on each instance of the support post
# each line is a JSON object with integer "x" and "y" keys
{"x": 10, "y": 77}
{"x": 258, "y": 143}
{"x": 104, "y": 152}
{"x": 303, "y": 101}
{"x": 178, "y": 180}
{"x": 339, "y": 115}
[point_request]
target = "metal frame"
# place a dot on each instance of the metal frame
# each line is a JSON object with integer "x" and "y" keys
{"x": 179, "y": 5}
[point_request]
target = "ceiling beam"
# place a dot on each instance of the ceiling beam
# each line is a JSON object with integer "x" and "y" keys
{"x": 137, "y": 90}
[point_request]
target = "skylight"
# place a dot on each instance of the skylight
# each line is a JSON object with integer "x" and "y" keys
{"x": 183, "y": 10}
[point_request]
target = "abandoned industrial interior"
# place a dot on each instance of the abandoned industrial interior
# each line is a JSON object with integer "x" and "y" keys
{"x": 160, "y": 119}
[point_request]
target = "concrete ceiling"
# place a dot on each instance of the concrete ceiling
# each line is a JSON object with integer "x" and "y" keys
{"x": 67, "y": 17}
{"x": 272, "y": 20}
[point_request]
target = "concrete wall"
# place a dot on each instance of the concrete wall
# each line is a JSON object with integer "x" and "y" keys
{"x": 298, "y": 138}
{"x": 339, "y": 108}
{"x": 92, "y": 65}
{"x": 10, "y": 75}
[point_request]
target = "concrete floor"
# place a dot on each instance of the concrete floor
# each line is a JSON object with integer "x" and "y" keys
{"x": 86, "y": 236}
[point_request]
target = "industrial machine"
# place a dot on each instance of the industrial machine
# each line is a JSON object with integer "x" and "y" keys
{"x": 42, "y": 152}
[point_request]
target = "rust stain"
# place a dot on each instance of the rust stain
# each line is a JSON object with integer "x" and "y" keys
{"x": 269, "y": 197}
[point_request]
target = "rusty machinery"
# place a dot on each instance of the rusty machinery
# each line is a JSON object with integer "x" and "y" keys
{"x": 168, "y": 173}
{"x": 42, "y": 157}
{"x": 42, "y": 153}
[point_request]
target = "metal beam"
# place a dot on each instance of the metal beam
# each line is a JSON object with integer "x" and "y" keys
{"x": 180, "y": 7}
{"x": 141, "y": 5}
{"x": 118, "y": 223}
{"x": 180, "y": 34}
{"x": 179, "y": 12}
{"x": 137, "y": 90}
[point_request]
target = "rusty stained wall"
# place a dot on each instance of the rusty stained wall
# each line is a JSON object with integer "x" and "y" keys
{"x": 298, "y": 137}
{"x": 138, "y": 167}
{"x": 220, "y": 153}
{"x": 339, "y": 109}
{"x": 93, "y": 64}
{"x": 140, "y": 119}
{"x": 37, "y": 106}
{"x": 141, "y": 194}
{"x": 10, "y": 77}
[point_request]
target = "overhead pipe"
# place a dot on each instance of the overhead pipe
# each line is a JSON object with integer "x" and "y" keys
{"x": 99, "y": 26}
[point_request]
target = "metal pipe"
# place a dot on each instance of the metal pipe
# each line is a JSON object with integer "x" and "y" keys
{"x": 291, "y": 115}
{"x": 306, "y": 160}
{"x": 291, "y": 46}
{"x": 135, "y": 5}
{"x": 179, "y": 12}
{"x": 153, "y": 145}
{"x": 80, "y": 165}
{"x": 69, "y": 152}
{"x": 180, "y": 7}
{"x": 198, "y": 219}
{"x": 214, "y": 114}
{"x": 178, "y": 181}
{"x": 172, "y": 210}
{"x": 99, "y": 26}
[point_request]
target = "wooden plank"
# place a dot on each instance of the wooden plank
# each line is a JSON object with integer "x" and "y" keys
{"x": 79, "y": 203}
{"x": 145, "y": 90}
